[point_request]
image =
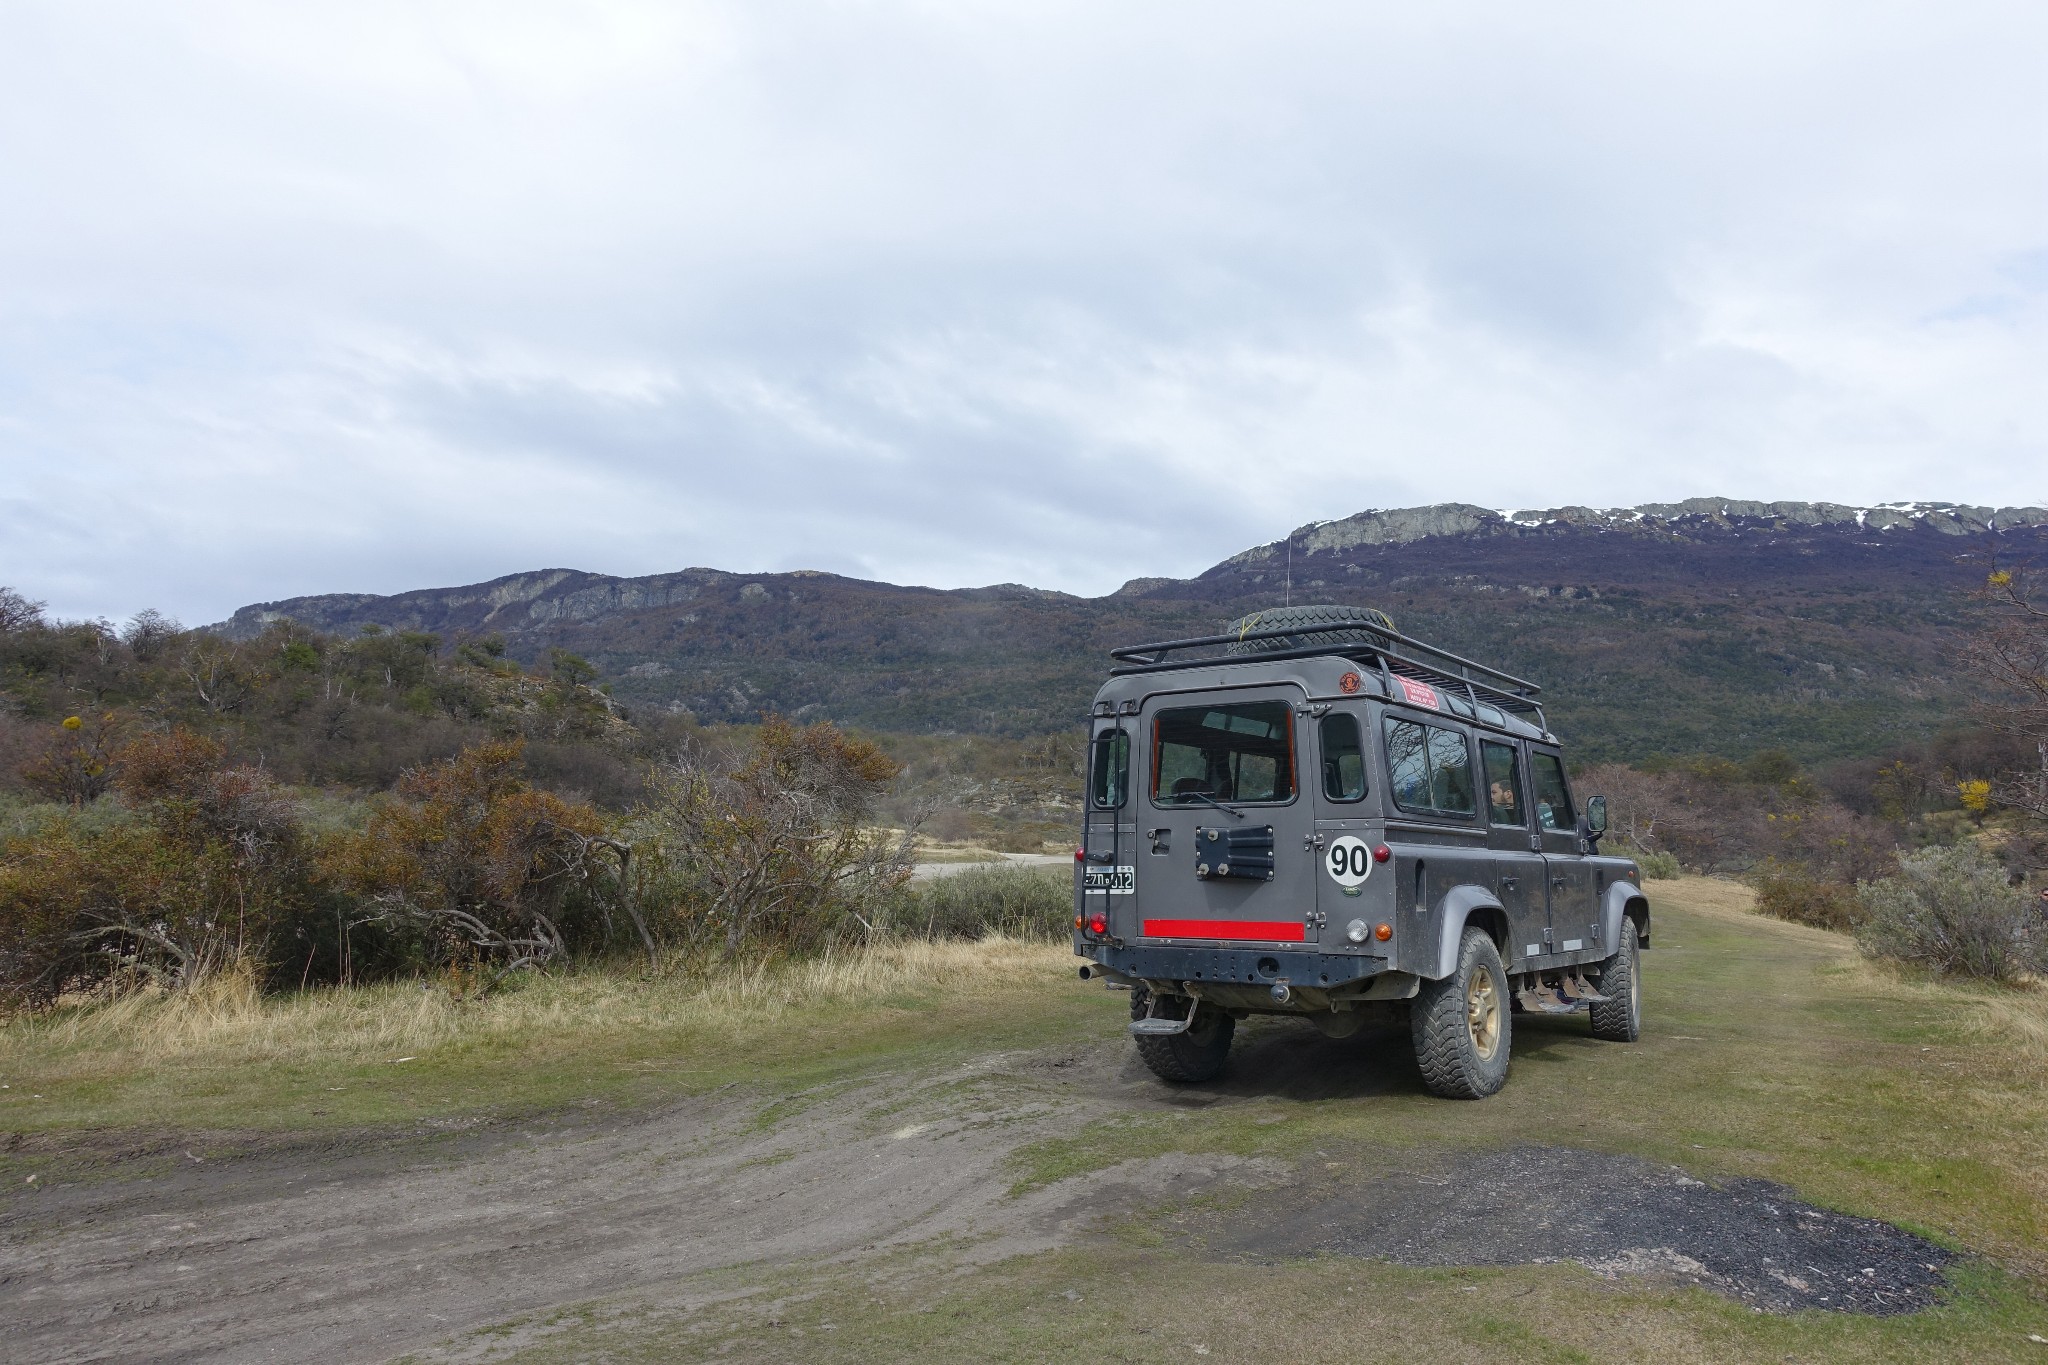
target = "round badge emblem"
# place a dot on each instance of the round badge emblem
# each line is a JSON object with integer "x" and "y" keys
{"x": 1348, "y": 683}
{"x": 1348, "y": 861}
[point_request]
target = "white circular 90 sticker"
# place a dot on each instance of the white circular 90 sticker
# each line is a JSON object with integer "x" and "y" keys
{"x": 1349, "y": 860}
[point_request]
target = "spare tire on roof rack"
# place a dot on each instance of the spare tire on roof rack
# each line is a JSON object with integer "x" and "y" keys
{"x": 1327, "y": 624}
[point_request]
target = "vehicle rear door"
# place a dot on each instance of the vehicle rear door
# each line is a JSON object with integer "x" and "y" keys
{"x": 1346, "y": 889}
{"x": 1569, "y": 875}
{"x": 1519, "y": 871}
{"x": 1222, "y": 796}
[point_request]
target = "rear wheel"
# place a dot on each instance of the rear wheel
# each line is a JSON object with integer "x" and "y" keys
{"x": 1461, "y": 1024}
{"x": 1619, "y": 1018}
{"x": 1195, "y": 1055}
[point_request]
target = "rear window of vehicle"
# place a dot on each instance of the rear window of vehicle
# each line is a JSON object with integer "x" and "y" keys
{"x": 1429, "y": 769}
{"x": 1239, "y": 753}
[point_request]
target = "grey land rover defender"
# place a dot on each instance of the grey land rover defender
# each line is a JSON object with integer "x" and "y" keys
{"x": 1313, "y": 814}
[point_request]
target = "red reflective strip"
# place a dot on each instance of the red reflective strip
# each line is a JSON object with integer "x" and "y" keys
{"x": 1266, "y": 931}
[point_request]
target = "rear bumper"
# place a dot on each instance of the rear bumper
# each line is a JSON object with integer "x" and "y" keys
{"x": 1233, "y": 966}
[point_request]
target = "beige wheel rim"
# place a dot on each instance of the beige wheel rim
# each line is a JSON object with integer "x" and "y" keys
{"x": 1482, "y": 1014}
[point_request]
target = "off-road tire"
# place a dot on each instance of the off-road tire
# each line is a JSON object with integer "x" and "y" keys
{"x": 1450, "y": 1043}
{"x": 1325, "y": 624}
{"x": 1196, "y": 1055}
{"x": 1619, "y": 1018}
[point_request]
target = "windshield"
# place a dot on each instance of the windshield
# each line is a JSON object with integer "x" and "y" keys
{"x": 1241, "y": 753}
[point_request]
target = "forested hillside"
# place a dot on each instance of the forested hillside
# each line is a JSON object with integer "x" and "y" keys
{"x": 1708, "y": 626}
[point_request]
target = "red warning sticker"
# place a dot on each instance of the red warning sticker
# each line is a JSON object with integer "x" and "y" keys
{"x": 1420, "y": 694}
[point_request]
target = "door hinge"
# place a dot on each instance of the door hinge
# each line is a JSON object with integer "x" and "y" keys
{"x": 1546, "y": 936}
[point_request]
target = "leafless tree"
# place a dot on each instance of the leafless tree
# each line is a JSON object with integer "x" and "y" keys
{"x": 2013, "y": 653}
{"x": 774, "y": 837}
{"x": 18, "y": 612}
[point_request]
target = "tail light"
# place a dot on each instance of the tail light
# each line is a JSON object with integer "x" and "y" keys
{"x": 1099, "y": 924}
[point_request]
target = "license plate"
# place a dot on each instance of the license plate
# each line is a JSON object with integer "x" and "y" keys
{"x": 1117, "y": 881}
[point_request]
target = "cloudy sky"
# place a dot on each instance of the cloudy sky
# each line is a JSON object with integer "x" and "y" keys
{"x": 365, "y": 296}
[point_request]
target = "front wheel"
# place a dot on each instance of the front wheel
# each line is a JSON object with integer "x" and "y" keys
{"x": 1194, "y": 1055}
{"x": 1619, "y": 1018}
{"x": 1461, "y": 1024}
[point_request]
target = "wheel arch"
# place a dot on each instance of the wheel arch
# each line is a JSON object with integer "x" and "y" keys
{"x": 1462, "y": 906}
{"x": 1625, "y": 900}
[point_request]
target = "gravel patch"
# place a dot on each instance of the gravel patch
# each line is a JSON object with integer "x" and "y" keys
{"x": 1617, "y": 1216}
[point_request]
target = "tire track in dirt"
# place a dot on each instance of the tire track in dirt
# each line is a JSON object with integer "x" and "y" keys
{"x": 277, "y": 1258}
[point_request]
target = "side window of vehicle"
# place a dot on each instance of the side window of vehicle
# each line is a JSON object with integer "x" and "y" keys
{"x": 1343, "y": 758}
{"x": 1503, "y": 784}
{"x": 1112, "y": 764}
{"x": 1429, "y": 768}
{"x": 1553, "y": 799}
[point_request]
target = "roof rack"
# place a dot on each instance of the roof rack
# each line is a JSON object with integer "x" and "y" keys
{"x": 1390, "y": 650}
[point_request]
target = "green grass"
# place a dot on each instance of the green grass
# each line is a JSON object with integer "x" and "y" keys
{"x": 1148, "y": 1303}
{"x": 1770, "y": 1050}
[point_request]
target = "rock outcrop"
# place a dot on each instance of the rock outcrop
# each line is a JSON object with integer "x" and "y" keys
{"x": 1693, "y": 517}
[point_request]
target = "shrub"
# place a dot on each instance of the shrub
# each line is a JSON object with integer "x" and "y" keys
{"x": 1018, "y": 902}
{"x": 1789, "y": 894}
{"x": 1654, "y": 865}
{"x": 209, "y": 871}
{"x": 479, "y": 865}
{"x": 1952, "y": 909}
{"x": 768, "y": 846}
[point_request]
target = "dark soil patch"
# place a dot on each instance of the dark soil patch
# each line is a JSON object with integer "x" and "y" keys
{"x": 1748, "y": 1239}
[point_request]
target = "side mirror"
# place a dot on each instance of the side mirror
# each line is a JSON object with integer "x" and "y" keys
{"x": 1596, "y": 815}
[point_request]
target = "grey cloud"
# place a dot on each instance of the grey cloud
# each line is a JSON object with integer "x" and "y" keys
{"x": 372, "y": 297}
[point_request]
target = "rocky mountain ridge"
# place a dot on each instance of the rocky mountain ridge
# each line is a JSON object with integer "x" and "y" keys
{"x": 1710, "y": 625}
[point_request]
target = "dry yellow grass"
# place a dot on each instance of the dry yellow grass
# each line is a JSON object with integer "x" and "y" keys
{"x": 228, "y": 1021}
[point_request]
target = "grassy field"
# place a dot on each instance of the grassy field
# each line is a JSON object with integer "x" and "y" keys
{"x": 1770, "y": 1051}
{"x": 228, "y": 1067}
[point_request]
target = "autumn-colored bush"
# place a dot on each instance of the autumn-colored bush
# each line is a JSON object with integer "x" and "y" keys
{"x": 213, "y": 869}
{"x": 474, "y": 864}
{"x": 1789, "y": 894}
{"x": 74, "y": 763}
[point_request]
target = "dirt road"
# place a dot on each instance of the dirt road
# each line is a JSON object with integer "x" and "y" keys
{"x": 357, "y": 1256}
{"x": 361, "y": 1253}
